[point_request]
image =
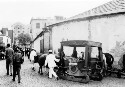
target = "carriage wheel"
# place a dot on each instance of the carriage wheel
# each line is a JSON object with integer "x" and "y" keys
{"x": 86, "y": 79}
{"x": 99, "y": 77}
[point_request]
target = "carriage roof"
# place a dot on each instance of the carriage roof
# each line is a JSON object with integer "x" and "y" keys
{"x": 81, "y": 43}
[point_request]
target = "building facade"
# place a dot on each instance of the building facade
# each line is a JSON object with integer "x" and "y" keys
{"x": 5, "y": 37}
{"x": 105, "y": 24}
{"x": 37, "y": 26}
{"x": 19, "y": 28}
{"x": 4, "y": 40}
{"x": 10, "y": 34}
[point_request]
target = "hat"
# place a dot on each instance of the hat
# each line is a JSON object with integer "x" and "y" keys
{"x": 50, "y": 51}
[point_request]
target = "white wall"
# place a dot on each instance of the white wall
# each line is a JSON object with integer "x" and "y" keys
{"x": 70, "y": 31}
{"x": 6, "y": 40}
{"x": 46, "y": 42}
{"x": 106, "y": 30}
{"x": 36, "y": 45}
{"x": 35, "y": 32}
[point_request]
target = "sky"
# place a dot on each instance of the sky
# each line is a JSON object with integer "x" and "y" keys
{"x": 13, "y": 11}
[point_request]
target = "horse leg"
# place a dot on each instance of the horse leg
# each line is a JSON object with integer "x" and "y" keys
{"x": 41, "y": 70}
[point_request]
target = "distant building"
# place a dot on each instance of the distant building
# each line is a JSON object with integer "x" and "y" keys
{"x": 19, "y": 28}
{"x": 10, "y": 34}
{"x": 4, "y": 40}
{"x": 38, "y": 25}
{"x": 5, "y": 37}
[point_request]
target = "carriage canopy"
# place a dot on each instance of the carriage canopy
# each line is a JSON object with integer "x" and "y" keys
{"x": 81, "y": 43}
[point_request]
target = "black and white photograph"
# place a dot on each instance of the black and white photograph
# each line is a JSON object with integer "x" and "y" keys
{"x": 62, "y": 43}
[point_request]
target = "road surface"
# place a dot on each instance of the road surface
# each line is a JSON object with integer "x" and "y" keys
{"x": 30, "y": 78}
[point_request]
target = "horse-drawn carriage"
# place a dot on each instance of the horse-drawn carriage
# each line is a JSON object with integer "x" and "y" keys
{"x": 90, "y": 66}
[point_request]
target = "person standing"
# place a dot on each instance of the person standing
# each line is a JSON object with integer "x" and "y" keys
{"x": 32, "y": 55}
{"x": 28, "y": 53}
{"x": 81, "y": 56}
{"x": 9, "y": 55}
{"x": 50, "y": 60}
{"x": 17, "y": 61}
{"x": 74, "y": 54}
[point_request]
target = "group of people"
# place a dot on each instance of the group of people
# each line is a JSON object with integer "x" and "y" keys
{"x": 14, "y": 59}
{"x": 78, "y": 55}
{"x": 50, "y": 62}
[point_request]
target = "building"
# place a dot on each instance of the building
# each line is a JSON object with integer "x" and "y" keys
{"x": 19, "y": 28}
{"x": 4, "y": 40}
{"x": 5, "y": 37}
{"x": 105, "y": 24}
{"x": 10, "y": 34}
{"x": 38, "y": 25}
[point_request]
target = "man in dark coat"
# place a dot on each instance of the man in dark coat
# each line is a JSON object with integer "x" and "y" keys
{"x": 9, "y": 55}
{"x": 17, "y": 61}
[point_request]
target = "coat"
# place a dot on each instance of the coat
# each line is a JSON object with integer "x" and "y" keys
{"x": 17, "y": 60}
{"x": 50, "y": 60}
{"x": 9, "y": 52}
{"x": 32, "y": 54}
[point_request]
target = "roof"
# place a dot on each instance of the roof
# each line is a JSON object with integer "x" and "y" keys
{"x": 37, "y": 37}
{"x": 81, "y": 43}
{"x": 115, "y": 6}
{"x": 36, "y": 19}
{"x": 112, "y": 7}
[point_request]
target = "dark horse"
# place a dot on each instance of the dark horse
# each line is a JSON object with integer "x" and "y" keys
{"x": 40, "y": 59}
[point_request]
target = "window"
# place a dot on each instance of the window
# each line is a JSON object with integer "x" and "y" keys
{"x": 94, "y": 52}
{"x": 37, "y": 25}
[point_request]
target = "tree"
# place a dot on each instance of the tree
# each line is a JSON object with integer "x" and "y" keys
{"x": 119, "y": 49}
{"x": 24, "y": 39}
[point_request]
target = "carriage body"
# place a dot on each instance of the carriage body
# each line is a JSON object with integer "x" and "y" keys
{"x": 89, "y": 66}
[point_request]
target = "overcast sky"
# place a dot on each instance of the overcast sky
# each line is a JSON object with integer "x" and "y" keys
{"x": 12, "y": 11}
